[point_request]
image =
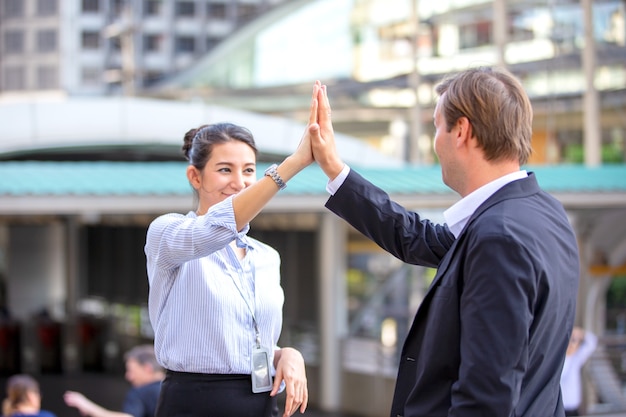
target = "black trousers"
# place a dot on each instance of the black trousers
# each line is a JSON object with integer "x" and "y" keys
{"x": 207, "y": 395}
{"x": 571, "y": 413}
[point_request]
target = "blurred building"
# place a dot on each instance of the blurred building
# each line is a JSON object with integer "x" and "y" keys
{"x": 381, "y": 59}
{"x": 96, "y": 47}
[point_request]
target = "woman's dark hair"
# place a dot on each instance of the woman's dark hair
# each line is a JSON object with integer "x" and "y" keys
{"x": 198, "y": 143}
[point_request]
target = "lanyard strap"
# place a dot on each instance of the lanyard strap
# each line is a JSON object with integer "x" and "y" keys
{"x": 252, "y": 268}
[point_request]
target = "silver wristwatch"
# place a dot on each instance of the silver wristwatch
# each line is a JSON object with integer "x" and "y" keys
{"x": 273, "y": 174}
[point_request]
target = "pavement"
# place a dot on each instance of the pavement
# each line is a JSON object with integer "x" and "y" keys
{"x": 108, "y": 390}
{"x": 313, "y": 412}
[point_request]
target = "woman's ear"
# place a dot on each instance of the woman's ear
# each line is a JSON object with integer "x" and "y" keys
{"x": 193, "y": 175}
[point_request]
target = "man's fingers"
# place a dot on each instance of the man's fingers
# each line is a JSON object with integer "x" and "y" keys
{"x": 323, "y": 110}
{"x": 314, "y": 103}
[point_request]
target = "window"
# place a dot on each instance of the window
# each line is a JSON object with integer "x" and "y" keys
{"x": 185, "y": 44}
{"x": 152, "y": 43}
{"x": 13, "y": 8}
{"x": 47, "y": 78}
{"x": 185, "y": 8}
{"x": 217, "y": 11}
{"x": 119, "y": 7}
{"x": 116, "y": 44}
{"x": 14, "y": 42}
{"x": 475, "y": 35}
{"x": 211, "y": 42}
{"x": 152, "y": 7}
{"x": 246, "y": 12}
{"x": 90, "y": 76}
{"x": 46, "y": 7}
{"x": 14, "y": 78}
{"x": 92, "y": 6}
{"x": 151, "y": 77}
{"x": 90, "y": 40}
{"x": 609, "y": 22}
{"x": 46, "y": 40}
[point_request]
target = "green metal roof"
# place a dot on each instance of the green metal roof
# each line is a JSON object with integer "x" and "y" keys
{"x": 102, "y": 178}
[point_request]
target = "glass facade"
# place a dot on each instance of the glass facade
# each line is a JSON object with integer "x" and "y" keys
{"x": 372, "y": 40}
{"x": 312, "y": 42}
{"x": 369, "y": 50}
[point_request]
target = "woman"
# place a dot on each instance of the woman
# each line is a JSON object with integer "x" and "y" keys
{"x": 215, "y": 298}
{"x": 23, "y": 398}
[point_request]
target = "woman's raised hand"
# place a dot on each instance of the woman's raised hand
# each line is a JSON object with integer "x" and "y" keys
{"x": 323, "y": 137}
{"x": 303, "y": 153}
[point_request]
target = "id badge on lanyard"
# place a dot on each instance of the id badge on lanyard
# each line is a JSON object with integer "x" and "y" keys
{"x": 260, "y": 358}
{"x": 261, "y": 378}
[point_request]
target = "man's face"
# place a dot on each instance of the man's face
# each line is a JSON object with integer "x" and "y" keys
{"x": 444, "y": 145}
{"x": 136, "y": 373}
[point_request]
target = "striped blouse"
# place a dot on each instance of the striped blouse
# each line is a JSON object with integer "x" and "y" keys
{"x": 203, "y": 300}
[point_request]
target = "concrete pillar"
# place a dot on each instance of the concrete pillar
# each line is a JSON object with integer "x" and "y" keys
{"x": 500, "y": 31}
{"x": 71, "y": 351}
{"x": 415, "y": 155}
{"x": 592, "y": 133}
{"x": 332, "y": 308}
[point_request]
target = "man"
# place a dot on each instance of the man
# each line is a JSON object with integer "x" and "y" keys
{"x": 490, "y": 336}
{"x": 144, "y": 374}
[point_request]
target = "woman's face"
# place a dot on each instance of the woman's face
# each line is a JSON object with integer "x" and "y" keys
{"x": 231, "y": 168}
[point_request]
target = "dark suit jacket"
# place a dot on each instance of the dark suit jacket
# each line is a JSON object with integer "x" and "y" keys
{"x": 490, "y": 336}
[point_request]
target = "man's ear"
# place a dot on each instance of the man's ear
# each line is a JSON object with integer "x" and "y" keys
{"x": 464, "y": 130}
{"x": 193, "y": 175}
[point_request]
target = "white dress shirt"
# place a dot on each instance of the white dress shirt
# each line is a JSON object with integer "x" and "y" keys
{"x": 571, "y": 376}
{"x": 458, "y": 214}
{"x": 203, "y": 300}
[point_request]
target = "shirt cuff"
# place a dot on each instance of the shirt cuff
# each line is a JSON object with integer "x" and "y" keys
{"x": 224, "y": 213}
{"x": 334, "y": 184}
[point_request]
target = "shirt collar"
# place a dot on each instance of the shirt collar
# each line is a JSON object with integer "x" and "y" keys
{"x": 458, "y": 215}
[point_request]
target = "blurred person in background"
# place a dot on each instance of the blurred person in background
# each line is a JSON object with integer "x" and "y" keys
{"x": 144, "y": 374}
{"x": 23, "y": 398}
{"x": 581, "y": 346}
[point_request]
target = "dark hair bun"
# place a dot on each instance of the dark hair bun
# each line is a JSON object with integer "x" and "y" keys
{"x": 188, "y": 141}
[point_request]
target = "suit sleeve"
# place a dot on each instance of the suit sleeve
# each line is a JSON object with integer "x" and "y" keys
{"x": 400, "y": 232}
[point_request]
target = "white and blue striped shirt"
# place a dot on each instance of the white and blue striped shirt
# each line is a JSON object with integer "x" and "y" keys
{"x": 202, "y": 296}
